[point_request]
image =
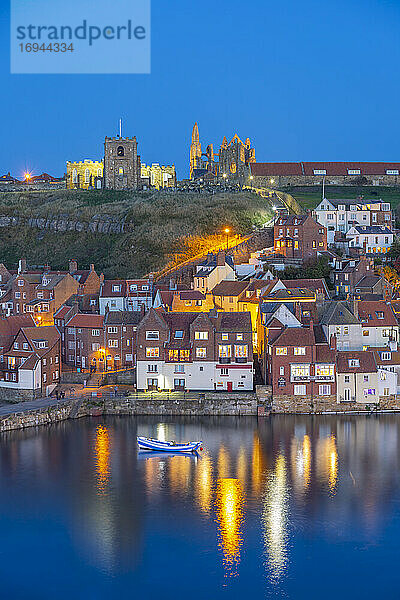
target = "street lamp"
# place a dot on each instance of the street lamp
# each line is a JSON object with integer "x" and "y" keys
{"x": 227, "y": 237}
{"x": 251, "y": 179}
{"x": 272, "y": 181}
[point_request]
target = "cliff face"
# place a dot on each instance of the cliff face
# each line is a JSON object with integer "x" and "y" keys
{"x": 100, "y": 223}
{"x": 124, "y": 233}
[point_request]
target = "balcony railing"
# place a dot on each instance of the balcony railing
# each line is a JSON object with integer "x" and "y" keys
{"x": 316, "y": 378}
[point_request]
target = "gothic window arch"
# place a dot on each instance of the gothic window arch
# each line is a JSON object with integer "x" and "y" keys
{"x": 74, "y": 176}
{"x": 87, "y": 176}
{"x": 120, "y": 171}
{"x": 99, "y": 173}
{"x": 120, "y": 151}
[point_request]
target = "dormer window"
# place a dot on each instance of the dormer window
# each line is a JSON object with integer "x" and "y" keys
{"x": 116, "y": 288}
{"x": 133, "y": 288}
{"x": 179, "y": 334}
{"x": 41, "y": 343}
{"x": 379, "y": 314}
{"x": 20, "y": 282}
{"x": 354, "y": 362}
{"x": 386, "y": 355}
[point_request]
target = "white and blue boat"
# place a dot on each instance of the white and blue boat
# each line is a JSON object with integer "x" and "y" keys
{"x": 145, "y": 443}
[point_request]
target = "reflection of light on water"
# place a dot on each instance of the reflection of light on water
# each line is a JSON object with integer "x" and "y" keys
{"x": 179, "y": 473}
{"x": 223, "y": 463}
{"x": 306, "y": 461}
{"x": 275, "y": 519}
{"x": 242, "y": 466}
{"x": 333, "y": 465}
{"x": 301, "y": 463}
{"x": 102, "y": 457}
{"x": 229, "y": 507}
{"x": 327, "y": 462}
{"x": 256, "y": 465}
{"x": 204, "y": 483}
{"x": 161, "y": 432}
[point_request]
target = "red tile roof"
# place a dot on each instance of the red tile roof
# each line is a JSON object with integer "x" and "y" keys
{"x": 368, "y": 314}
{"x": 86, "y": 320}
{"x": 107, "y": 288}
{"x": 295, "y": 336}
{"x": 366, "y": 362}
{"x": 331, "y": 168}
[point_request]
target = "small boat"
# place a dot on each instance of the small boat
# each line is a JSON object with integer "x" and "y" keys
{"x": 147, "y": 454}
{"x": 150, "y": 444}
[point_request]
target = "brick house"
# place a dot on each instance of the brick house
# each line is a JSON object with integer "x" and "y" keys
{"x": 348, "y": 272}
{"x": 191, "y": 300}
{"x": 83, "y": 342}
{"x": 88, "y": 280}
{"x": 120, "y": 338}
{"x": 299, "y": 236}
{"x": 301, "y": 364}
{"x": 33, "y": 361}
{"x": 194, "y": 351}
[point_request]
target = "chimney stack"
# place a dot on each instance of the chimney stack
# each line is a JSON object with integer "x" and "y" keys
{"x": 73, "y": 267}
{"x": 92, "y": 267}
{"x": 21, "y": 266}
{"x": 355, "y": 307}
{"x": 333, "y": 342}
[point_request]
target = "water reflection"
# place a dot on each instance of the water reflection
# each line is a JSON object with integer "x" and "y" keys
{"x": 102, "y": 451}
{"x": 229, "y": 511}
{"x": 259, "y": 487}
{"x": 275, "y": 519}
{"x": 204, "y": 483}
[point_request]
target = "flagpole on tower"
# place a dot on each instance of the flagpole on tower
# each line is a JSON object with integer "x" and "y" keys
{"x": 120, "y": 128}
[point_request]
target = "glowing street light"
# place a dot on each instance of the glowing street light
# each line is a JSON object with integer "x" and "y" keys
{"x": 224, "y": 175}
{"x": 272, "y": 180}
{"x": 227, "y": 230}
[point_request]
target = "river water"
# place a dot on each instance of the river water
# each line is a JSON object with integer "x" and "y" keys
{"x": 283, "y": 507}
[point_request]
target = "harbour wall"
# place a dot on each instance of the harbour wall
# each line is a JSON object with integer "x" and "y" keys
{"x": 241, "y": 404}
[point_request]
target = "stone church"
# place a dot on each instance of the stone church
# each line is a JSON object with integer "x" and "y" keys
{"x": 231, "y": 163}
{"x": 122, "y": 170}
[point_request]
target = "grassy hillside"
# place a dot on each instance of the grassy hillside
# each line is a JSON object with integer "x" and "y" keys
{"x": 309, "y": 197}
{"x": 157, "y": 227}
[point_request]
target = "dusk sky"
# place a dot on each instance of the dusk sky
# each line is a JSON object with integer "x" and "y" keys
{"x": 304, "y": 80}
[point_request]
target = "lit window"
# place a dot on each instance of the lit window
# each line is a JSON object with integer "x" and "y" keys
{"x": 280, "y": 351}
{"x": 300, "y": 350}
{"x": 201, "y": 335}
{"x": 152, "y": 352}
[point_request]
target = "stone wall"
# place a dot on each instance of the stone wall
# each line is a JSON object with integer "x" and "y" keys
{"x": 326, "y": 404}
{"x": 309, "y": 180}
{"x": 98, "y": 223}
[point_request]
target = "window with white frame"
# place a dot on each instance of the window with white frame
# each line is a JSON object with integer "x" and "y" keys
{"x": 299, "y": 350}
{"x": 281, "y": 351}
{"x": 201, "y": 352}
{"x": 152, "y": 335}
{"x": 152, "y": 352}
{"x": 300, "y": 390}
{"x": 324, "y": 390}
{"x": 241, "y": 351}
{"x": 224, "y": 351}
{"x": 95, "y": 332}
{"x": 112, "y": 329}
{"x": 300, "y": 370}
{"x": 113, "y": 343}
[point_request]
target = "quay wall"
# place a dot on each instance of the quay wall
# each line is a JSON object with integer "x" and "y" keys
{"x": 208, "y": 404}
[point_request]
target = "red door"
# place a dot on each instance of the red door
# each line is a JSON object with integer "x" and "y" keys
{"x": 229, "y": 386}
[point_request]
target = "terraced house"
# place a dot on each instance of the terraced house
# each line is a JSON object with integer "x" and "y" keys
{"x": 194, "y": 351}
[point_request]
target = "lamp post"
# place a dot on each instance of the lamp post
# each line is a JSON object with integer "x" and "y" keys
{"x": 251, "y": 179}
{"x": 227, "y": 237}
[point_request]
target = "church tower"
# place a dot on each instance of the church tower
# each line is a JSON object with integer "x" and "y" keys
{"x": 195, "y": 150}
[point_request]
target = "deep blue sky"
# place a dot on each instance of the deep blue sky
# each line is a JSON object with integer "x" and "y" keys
{"x": 309, "y": 80}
